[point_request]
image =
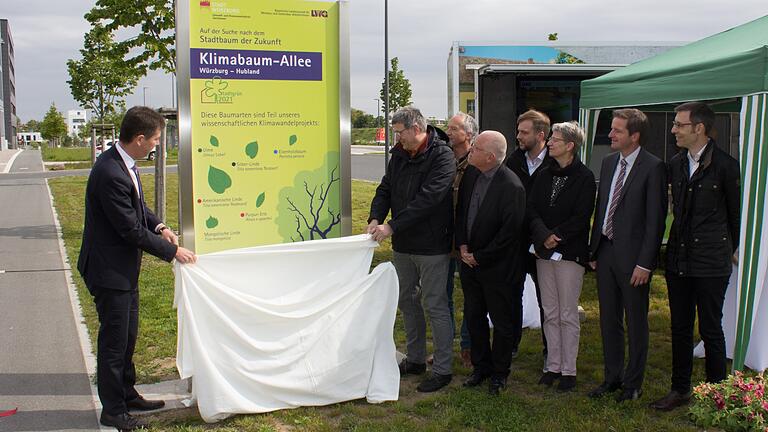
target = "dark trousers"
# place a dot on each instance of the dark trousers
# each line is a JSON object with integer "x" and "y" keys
{"x": 480, "y": 300}
{"x": 463, "y": 332}
{"x": 686, "y": 295}
{"x": 619, "y": 299}
{"x": 118, "y": 327}
{"x": 529, "y": 264}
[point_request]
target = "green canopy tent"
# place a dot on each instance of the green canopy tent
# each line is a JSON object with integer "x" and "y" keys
{"x": 728, "y": 65}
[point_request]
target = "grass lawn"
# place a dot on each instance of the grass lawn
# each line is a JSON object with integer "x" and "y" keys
{"x": 523, "y": 407}
{"x": 364, "y": 136}
{"x": 80, "y": 157}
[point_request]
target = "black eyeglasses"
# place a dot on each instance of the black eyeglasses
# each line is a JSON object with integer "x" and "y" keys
{"x": 679, "y": 125}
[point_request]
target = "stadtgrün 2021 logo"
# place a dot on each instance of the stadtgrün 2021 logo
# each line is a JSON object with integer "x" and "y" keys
{"x": 214, "y": 92}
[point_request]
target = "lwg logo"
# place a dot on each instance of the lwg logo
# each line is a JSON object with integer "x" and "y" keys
{"x": 319, "y": 13}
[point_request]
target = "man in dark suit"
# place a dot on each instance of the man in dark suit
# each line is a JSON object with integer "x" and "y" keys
{"x": 704, "y": 235}
{"x": 489, "y": 216}
{"x": 530, "y": 158}
{"x": 118, "y": 227}
{"x": 626, "y": 237}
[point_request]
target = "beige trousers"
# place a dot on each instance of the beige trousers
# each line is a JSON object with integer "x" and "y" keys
{"x": 560, "y": 285}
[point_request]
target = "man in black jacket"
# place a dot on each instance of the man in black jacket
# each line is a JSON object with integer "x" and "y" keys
{"x": 417, "y": 189}
{"x": 489, "y": 214}
{"x": 530, "y": 158}
{"x": 702, "y": 240}
{"x": 118, "y": 227}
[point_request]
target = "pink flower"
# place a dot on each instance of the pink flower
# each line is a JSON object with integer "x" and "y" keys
{"x": 747, "y": 400}
{"x": 765, "y": 405}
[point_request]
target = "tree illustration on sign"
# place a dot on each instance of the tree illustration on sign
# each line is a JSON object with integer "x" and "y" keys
{"x": 218, "y": 180}
{"x": 252, "y": 149}
{"x": 310, "y": 209}
{"x": 211, "y": 222}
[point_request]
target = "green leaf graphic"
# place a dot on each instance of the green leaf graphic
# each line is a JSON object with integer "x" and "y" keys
{"x": 252, "y": 149}
{"x": 292, "y": 140}
{"x": 260, "y": 200}
{"x": 212, "y": 222}
{"x": 214, "y": 141}
{"x": 218, "y": 180}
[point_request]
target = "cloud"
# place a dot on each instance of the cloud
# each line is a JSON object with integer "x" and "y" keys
{"x": 420, "y": 34}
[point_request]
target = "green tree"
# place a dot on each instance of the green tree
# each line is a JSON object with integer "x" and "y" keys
{"x": 102, "y": 75}
{"x": 30, "y": 126}
{"x": 361, "y": 119}
{"x": 399, "y": 88}
{"x": 53, "y": 127}
{"x": 114, "y": 118}
{"x": 149, "y": 26}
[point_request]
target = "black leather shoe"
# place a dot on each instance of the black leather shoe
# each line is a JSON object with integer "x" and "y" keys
{"x": 141, "y": 404}
{"x": 671, "y": 401}
{"x": 434, "y": 383}
{"x": 604, "y": 389}
{"x": 629, "y": 394}
{"x": 496, "y": 385}
{"x": 407, "y": 367}
{"x": 549, "y": 378}
{"x": 567, "y": 383}
{"x": 475, "y": 379}
{"x": 122, "y": 422}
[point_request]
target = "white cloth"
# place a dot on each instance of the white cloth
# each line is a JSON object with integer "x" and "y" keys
{"x": 283, "y": 326}
{"x": 757, "y": 351}
{"x": 531, "y": 317}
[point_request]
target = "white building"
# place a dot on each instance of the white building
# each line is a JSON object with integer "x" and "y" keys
{"x": 28, "y": 137}
{"x": 76, "y": 120}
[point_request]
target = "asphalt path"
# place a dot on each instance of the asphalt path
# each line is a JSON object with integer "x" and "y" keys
{"x": 42, "y": 368}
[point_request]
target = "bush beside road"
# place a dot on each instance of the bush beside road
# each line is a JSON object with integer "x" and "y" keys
{"x": 524, "y": 406}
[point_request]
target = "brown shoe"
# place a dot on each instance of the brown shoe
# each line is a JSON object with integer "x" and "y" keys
{"x": 466, "y": 358}
{"x": 671, "y": 401}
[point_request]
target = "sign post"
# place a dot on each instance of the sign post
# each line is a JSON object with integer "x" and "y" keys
{"x": 264, "y": 122}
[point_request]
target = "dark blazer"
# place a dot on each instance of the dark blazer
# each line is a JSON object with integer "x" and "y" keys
{"x": 115, "y": 232}
{"x": 516, "y": 161}
{"x": 496, "y": 229}
{"x": 640, "y": 216}
{"x": 567, "y": 216}
{"x": 419, "y": 192}
{"x": 706, "y": 206}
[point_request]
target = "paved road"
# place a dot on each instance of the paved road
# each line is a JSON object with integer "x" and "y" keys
{"x": 364, "y": 167}
{"x": 42, "y": 369}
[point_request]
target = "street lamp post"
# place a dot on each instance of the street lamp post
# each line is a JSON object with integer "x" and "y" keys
{"x": 145, "y": 95}
{"x": 386, "y": 86}
{"x": 378, "y": 111}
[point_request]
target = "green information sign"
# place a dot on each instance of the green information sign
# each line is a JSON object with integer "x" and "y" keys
{"x": 264, "y": 122}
